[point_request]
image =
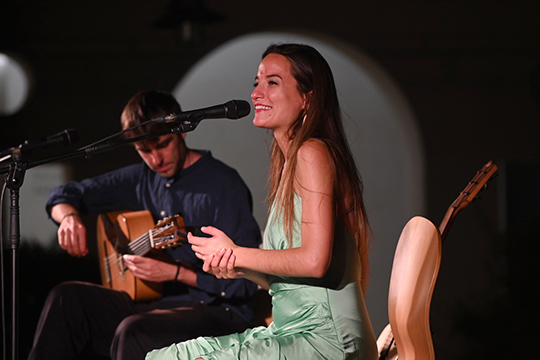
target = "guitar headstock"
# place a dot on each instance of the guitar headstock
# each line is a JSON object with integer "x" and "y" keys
{"x": 477, "y": 184}
{"x": 169, "y": 232}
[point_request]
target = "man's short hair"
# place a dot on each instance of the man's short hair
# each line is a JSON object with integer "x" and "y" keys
{"x": 147, "y": 105}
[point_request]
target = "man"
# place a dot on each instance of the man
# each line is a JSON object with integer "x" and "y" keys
{"x": 79, "y": 319}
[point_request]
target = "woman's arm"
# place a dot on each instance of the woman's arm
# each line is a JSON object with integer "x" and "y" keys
{"x": 314, "y": 184}
{"x": 222, "y": 265}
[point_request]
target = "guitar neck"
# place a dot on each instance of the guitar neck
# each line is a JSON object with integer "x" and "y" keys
{"x": 140, "y": 246}
{"x": 166, "y": 234}
{"x": 447, "y": 221}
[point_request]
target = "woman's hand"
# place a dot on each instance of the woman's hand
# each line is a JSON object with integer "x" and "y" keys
{"x": 204, "y": 246}
{"x": 221, "y": 265}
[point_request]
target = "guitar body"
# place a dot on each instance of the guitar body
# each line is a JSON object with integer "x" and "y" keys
{"x": 114, "y": 229}
{"x": 414, "y": 273}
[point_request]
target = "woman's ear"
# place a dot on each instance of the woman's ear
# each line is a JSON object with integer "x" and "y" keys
{"x": 307, "y": 100}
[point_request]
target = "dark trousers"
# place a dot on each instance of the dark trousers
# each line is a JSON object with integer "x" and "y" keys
{"x": 83, "y": 321}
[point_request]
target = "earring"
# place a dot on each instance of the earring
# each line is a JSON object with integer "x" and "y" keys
{"x": 304, "y": 119}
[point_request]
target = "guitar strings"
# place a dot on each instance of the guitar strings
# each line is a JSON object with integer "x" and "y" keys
{"x": 139, "y": 246}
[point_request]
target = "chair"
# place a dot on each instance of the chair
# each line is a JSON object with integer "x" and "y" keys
{"x": 414, "y": 272}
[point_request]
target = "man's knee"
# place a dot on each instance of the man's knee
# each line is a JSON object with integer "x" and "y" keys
{"x": 130, "y": 339}
{"x": 64, "y": 295}
{"x": 129, "y": 327}
{"x": 68, "y": 289}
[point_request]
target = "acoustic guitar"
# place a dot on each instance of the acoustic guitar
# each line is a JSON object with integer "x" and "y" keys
{"x": 135, "y": 233}
{"x": 386, "y": 345}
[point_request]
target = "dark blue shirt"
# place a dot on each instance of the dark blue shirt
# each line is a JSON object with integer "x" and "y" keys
{"x": 206, "y": 193}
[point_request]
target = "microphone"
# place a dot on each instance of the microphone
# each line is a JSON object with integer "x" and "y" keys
{"x": 233, "y": 109}
{"x": 64, "y": 137}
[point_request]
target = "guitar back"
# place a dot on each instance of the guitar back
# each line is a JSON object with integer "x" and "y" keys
{"x": 113, "y": 229}
{"x": 414, "y": 273}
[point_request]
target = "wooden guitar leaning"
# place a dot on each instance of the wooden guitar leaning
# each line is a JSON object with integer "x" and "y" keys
{"x": 385, "y": 343}
{"x": 120, "y": 233}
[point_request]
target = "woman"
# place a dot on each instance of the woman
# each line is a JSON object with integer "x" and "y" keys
{"x": 314, "y": 260}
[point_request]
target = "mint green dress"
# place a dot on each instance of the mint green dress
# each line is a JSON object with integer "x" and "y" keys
{"x": 313, "y": 318}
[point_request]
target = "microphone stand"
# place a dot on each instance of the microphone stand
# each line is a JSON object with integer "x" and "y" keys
{"x": 14, "y": 181}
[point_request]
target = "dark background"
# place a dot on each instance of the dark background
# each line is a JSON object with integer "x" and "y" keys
{"x": 469, "y": 69}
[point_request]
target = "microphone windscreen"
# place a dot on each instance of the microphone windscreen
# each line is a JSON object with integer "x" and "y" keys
{"x": 237, "y": 109}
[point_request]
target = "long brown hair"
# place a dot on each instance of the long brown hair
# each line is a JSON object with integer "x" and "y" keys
{"x": 321, "y": 121}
